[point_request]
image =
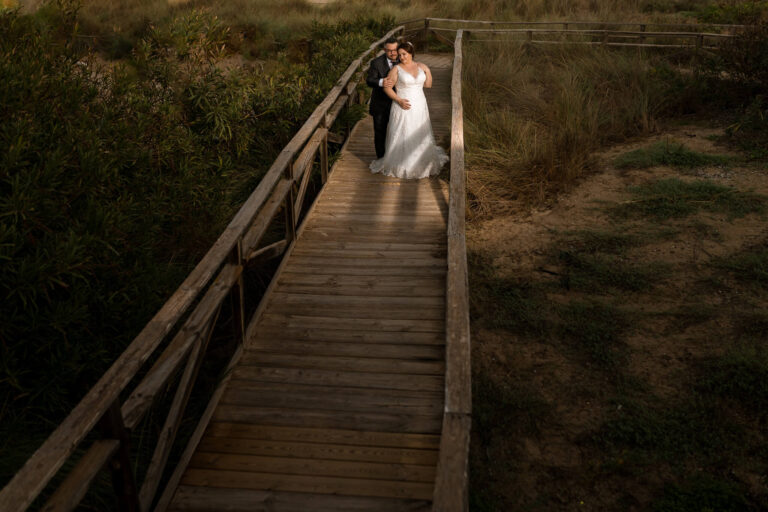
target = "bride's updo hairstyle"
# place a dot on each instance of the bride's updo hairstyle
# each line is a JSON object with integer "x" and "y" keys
{"x": 407, "y": 47}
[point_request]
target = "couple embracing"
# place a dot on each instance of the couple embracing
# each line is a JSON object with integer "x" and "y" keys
{"x": 405, "y": 144}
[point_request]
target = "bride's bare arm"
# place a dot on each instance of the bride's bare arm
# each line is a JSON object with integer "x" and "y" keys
{"x": 428, "y": 81}
{"x": 389, "y": 91}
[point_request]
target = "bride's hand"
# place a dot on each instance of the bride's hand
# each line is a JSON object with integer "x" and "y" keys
{"x": 404, "y": 104}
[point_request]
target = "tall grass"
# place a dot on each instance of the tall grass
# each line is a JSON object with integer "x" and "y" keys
{"x": 534, "y": 116}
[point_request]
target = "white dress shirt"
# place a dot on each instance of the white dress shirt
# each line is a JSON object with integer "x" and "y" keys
{"x": 381, "y": 80}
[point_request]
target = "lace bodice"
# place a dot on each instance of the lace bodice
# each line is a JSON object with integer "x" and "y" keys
{"x": 407, "y": 83}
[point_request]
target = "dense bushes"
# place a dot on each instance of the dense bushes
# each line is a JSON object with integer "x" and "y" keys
{"x": 115, "y": 180}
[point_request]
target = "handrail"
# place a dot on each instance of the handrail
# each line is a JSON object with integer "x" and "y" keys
{"x": 607, "y": 23}
{"x": 590, "y": 31}
{"x": 216, "y": 276}
{"x": 451, "y": 484}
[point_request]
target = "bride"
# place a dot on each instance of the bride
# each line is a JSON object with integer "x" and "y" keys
{"x": 411, "y": 151}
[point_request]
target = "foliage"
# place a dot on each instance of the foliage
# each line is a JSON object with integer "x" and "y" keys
{"x": 115, "y": 180}
{"x": 703, "y": 493}
{"x": 741, "y": 62}
{"x": 749, "y": 266}
{"x": 535, "y": 115}
{"x": 674, "y": 198}
{"x": 738, "y": 12}
{"x": 742, "y": 375}
{"x": 669, "y": 153}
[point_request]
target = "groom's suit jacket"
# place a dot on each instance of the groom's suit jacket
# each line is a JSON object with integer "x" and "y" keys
{"x": 380, "y": 102}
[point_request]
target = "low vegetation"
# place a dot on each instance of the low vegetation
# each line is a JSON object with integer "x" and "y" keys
{"x": 645, "y": 368}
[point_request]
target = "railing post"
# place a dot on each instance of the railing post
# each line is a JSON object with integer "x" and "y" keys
{"x": 324, "y": 154}
{"x": 426, "y": 35}
{"x": 290, "y": 218}
{"x": 123, "y": 479}
{"x": 237, "y": 296}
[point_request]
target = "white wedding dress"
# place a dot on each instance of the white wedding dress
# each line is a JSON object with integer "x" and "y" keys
{"x": 411, "y": 151}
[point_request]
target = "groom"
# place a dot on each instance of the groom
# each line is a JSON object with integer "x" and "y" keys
{"x": 380, "y": 102}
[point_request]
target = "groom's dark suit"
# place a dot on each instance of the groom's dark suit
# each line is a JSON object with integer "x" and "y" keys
{"x": 380, "y": 102}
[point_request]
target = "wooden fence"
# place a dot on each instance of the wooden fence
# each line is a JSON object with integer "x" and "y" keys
{"x": 451, "y": 486}
{"x": 644, "y": 35}
{"x": 190, "y": 315}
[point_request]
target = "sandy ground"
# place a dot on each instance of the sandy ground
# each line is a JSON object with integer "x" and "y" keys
{"x": 555, "y": 463}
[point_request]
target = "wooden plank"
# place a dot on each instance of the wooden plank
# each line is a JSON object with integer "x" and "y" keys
{"x": 74, "y": 487}
{"x": 407, "y": 218}
{"x": 367, "y": 262}
{"x": 268, "y": 252}
{"x": 197, "y": 434}
{"x": 340, "y": 378}
{"x": 321, "y": 436}
{"x": 353, "y": 364}
{"x": 281, "y": 297}
{"x": 281, "y": 320}
{"x": 388, "y": 312}
{"x": 351, "y": 336}
{"x": 281, "y": 344}
{"x": 369, "y": 270}
{"x": 211, "y": 499}
{"x": 142, "y": 397}
{"x": 250, "y": 394}
{"x": 332, "y": 280}
{"x": 337, "y": 200}
{"x": 306, "y": 466}
{"x": 310, "y": 251}
{"x": 322, "y": 451}
{"x": 434, "y": 289}
{"x": 326, "y": 234}
{"x": 338, "y": 245}
{"x": 329, "y": 418}
{"x": 451, "y": 488}
{"x": 265, "y": 217}
{"x": 312, "y": 484}
{"x": 458, "y": 390}
{"x": 307, "y": 155}
{"x": 403, "y": 202}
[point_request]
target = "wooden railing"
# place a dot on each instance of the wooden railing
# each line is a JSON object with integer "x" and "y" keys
{"x": 451, "y": 486}
{"x": 690, "y": 36}
{"x": 191, "y": 315}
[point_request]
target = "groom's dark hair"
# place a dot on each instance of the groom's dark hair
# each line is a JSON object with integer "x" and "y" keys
{"x": 389, "y": 40}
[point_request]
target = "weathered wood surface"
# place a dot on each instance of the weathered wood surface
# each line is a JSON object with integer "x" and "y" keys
{"x": 451, "y": 492}
{"x": 337, "y": 402}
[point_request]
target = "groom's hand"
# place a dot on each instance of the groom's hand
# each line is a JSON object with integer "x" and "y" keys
{"x": 388, "y": 82}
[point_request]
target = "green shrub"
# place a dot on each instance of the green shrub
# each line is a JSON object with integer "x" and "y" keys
{"x": 114, "y": 182}
{"x": 742, "y": 375}
{"x": 703, "y": 493}
{"x": 739, "y": 12}
{"x": 674, "y": 198}
{"x": 667, "y": 153}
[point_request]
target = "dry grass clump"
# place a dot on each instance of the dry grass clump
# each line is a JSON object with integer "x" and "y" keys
{"x": 535, "y": 115}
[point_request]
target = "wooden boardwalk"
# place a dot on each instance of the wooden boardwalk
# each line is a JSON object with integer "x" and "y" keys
{"x": 337, "y": 401}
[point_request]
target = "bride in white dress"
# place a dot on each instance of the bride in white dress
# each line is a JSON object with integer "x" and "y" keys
{"x": 411, "y": 151}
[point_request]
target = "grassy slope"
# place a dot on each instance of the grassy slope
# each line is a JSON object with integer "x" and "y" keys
{"x": 566, "y": 415}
